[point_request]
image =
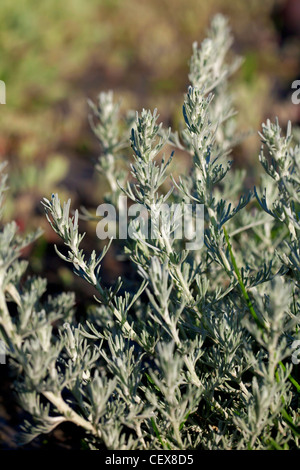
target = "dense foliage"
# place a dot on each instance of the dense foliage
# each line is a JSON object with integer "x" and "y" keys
{"x": 195, "y": 350}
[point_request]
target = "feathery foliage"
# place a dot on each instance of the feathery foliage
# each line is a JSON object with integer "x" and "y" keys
{"x": 196, "y": 352}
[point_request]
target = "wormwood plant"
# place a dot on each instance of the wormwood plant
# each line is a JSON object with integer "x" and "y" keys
{"x": 195, "y": 352}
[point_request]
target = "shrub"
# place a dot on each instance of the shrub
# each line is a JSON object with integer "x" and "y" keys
{"x": 194, "y": 351}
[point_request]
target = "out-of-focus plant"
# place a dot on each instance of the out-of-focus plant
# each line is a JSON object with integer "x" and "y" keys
{"x": 195, "y": 352}
{"x": 54, "y": 55}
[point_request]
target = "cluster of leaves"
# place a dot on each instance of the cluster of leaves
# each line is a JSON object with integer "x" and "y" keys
{"x": 196, "y": 353}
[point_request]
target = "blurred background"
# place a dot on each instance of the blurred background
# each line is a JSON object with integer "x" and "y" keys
{"x": 54, "y": 55}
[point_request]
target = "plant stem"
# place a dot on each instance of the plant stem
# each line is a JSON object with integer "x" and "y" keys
{"x": 70, "y": 414}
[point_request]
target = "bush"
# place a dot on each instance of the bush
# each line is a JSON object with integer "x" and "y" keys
{"x": 197, "y": 350}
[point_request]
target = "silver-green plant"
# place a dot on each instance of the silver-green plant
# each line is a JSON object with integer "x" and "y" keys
{"x": 196, "y": 352}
